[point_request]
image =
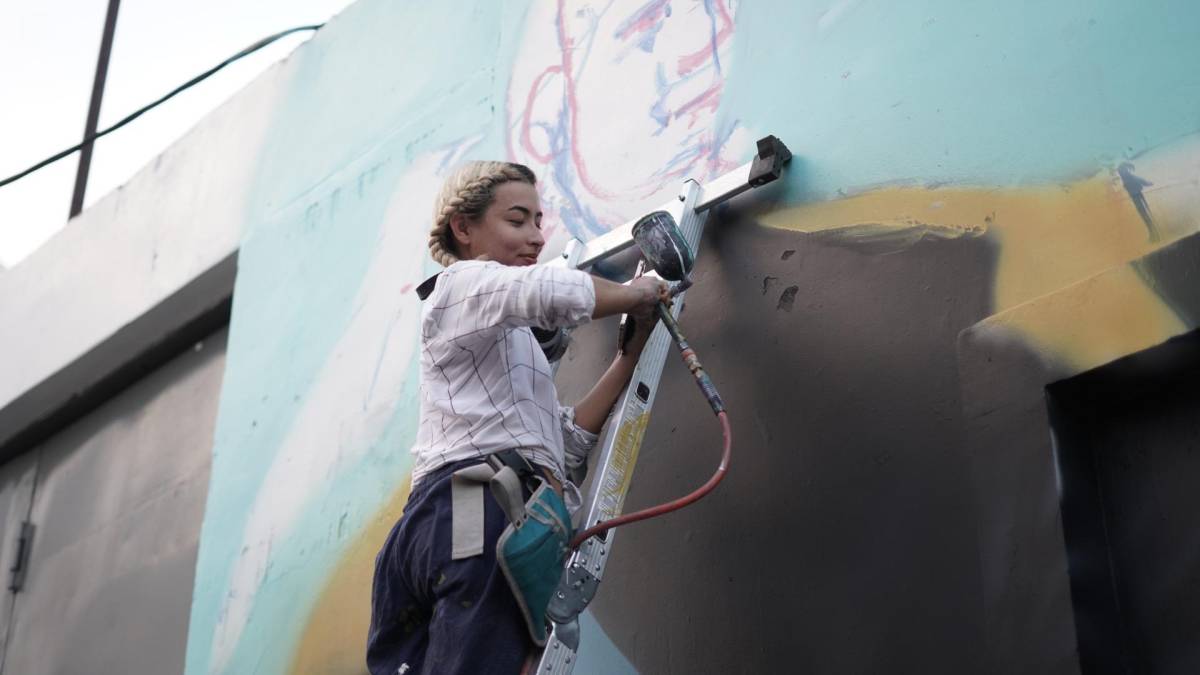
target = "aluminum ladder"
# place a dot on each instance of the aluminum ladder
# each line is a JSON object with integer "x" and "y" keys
{"x": 619, "y": 451}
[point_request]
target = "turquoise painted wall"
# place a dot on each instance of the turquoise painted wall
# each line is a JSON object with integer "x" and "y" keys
{"x": 977, "y": 93}
{"x": 612, "y": 104}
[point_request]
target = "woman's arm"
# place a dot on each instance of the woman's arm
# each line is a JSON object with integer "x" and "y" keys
{"x": 593, "y": 409}
{"x": 639, "y": 295}
{"x": 487, "y": 294}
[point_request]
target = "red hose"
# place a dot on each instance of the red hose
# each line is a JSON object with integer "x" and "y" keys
{"x": 668, "y": 507}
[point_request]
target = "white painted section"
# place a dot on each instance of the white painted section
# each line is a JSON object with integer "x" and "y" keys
{"x": 353, "y": 398}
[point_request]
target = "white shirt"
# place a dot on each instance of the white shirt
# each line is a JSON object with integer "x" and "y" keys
{"x": 486, "y": 386}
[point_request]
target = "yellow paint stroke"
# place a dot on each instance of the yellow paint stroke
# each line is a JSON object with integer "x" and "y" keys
{"x": 624, "y": 458}
{"x": 1096, "y": 321}
{"x": 334, "y": 640}
{"x": 1047, "y": 236}
{"x": 335, "y": 637}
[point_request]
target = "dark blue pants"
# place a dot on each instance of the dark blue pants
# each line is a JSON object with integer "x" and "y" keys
{"x": 437, "y": 615}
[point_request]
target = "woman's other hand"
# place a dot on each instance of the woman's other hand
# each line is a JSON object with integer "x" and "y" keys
{"x": 644, "y": 316}
{"x": 648, "y": 293}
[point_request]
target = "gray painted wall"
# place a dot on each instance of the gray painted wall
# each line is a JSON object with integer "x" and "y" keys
{"x": 842, "y": 540}
{"x": 118, "y": 502}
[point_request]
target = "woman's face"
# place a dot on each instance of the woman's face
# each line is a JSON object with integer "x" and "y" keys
{"x": 510, "y": 230}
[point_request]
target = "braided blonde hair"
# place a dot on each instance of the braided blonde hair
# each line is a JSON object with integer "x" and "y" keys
{"x": 469, "y": 191}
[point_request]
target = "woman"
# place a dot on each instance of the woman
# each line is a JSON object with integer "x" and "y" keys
{"x": 486, "y": 388}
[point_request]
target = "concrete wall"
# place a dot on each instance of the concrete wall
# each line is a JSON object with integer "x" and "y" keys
{"x": 956, "y": 164}
{"x": 117, "y": 499}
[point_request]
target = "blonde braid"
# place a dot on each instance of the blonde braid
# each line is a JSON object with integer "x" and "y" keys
{"x": 469, "y": 191}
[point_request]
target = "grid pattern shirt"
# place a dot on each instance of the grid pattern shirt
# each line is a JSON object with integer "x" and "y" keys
{"x": 486, "y": 386}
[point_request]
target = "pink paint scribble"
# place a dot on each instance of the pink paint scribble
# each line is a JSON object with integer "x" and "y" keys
{"x": 646, "y": 20}
{"x": 658, "y": 68}
{"x": 567, "y": 44}
{"x": 526, "y": 140}
{"x": 694, "y": 60}
{"x": 708, "y": 100}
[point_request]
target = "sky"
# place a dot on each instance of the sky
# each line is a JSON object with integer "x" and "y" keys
{"x": 49, "y": 50}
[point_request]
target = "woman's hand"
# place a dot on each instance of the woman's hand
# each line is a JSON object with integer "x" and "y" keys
{"x": 639, "y": 299}
{"x": 642, "y": 293}
{"x": 644, "y": 317}
{"x": 649, "y": 292}
{"x": 635, "y": 333}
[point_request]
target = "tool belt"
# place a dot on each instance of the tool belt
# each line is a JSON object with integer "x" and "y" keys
{"x": 531, "y": 549}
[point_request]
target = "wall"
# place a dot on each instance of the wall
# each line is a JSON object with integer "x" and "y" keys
{"x": 117, "y": 499}
{"x": 954, "y": 162}
{"x": 1007, "y": 363}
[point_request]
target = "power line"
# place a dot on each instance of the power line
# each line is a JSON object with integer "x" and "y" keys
{"x": 138, "y": 113}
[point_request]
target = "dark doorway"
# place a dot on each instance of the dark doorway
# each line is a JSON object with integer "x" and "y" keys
{"x": 1127, "y": 445}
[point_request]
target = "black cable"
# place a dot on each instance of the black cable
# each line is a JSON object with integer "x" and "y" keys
{"x": 137, "y": 113}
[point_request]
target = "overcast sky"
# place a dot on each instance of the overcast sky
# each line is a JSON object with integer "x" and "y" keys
{"x": 49, "y": 50}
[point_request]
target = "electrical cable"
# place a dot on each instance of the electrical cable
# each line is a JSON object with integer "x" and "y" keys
{"x": 137, "y": 113}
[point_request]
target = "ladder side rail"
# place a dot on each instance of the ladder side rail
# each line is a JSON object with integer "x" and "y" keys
{"x": 619, "y": 452}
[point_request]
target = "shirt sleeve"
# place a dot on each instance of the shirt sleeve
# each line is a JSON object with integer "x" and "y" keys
{"x": 577, "y": 441}
{"x": 476, "y": 295}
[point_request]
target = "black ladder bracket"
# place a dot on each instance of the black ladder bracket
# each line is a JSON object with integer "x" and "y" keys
{"x": 768, "y": 164}
{"x": 20, "y": 565}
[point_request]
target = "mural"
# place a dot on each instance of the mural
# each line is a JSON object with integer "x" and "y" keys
{"x": 565, "y": 107}
{"x": 1043, "y": 142}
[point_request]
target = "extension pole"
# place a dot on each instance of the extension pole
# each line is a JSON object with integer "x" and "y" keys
{"x": 93, "y": 117}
